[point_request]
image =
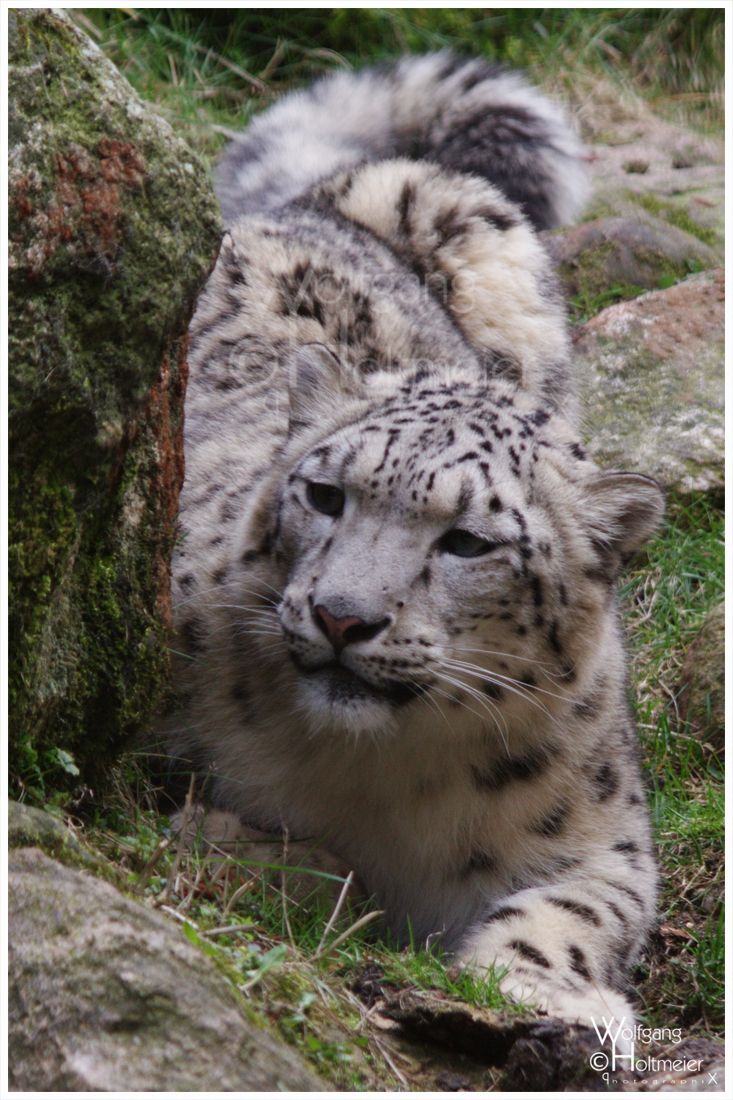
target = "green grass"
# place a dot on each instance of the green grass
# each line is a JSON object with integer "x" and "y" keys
{"x": 675, "y": 216}
{"x": 584, "y": 306}
{"x": 271, "y": 952}
{"x": 666, "y": 598}
{"x": 208, "y": 70}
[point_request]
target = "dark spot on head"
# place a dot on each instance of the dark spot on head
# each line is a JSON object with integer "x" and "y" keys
{"x": 465, "y": 496}
{"x": 492, "y": 690}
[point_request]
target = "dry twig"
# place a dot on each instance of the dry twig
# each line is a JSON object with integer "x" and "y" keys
{"x": 349, "y": 932}
{"x": 163, "y": 896}
{"x": 337, "y": 909}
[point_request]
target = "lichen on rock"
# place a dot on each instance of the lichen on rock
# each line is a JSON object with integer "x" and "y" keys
{"x": 651, "y": 375}
{"x": 113, "y": 229}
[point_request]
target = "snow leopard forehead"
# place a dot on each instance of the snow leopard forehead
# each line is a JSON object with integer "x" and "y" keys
{"x": 439, "y": 445}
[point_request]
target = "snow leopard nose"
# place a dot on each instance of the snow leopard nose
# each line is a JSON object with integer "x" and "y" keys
{"x": 346, "y": 631}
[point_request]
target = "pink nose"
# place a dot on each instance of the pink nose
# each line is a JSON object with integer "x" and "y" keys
{"x": 349, "y": 630}
{"x": 335, "y": 629}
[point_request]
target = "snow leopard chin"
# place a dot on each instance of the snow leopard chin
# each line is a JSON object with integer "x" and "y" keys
{"x": 336, "y": 700}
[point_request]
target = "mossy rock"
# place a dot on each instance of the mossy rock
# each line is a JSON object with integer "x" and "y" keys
{"x": 113, "y": 229}
{"x": 632, "y": 254}
{"x": 672, "y": 173}
{"x": 32, "y": 827}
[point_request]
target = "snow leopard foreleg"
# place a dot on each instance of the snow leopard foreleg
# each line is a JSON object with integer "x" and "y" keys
{"x": 567, "y": 948}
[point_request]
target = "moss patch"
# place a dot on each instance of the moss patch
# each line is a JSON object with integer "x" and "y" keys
{"x": 676, "y": 216}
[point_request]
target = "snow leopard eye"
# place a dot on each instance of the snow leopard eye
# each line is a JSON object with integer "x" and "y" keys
{"x": 465, "y": 545}
{"x": 328, "y": 499}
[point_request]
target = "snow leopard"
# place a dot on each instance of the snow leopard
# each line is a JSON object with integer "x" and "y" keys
{"x": 395, "y": 588}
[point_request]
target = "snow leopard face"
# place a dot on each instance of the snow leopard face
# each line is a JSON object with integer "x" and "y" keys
{"x": 427, "y": 550}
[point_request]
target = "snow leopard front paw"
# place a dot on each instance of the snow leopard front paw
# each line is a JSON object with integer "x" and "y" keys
{"x": 212, "y": 828}
{"x": 303, "y": 865}
{"x": 604, "y": 1009}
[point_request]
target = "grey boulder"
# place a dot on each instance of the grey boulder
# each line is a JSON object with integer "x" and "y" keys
{"x": 651, "y": 376}
{"x": 106, "y": 995}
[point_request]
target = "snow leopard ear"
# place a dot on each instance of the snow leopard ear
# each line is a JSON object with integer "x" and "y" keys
{"x": 317, "y": 385}
{"x": 622, "y": 511}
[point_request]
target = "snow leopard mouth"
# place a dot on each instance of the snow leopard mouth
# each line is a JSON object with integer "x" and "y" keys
{"x": 341, "y": 685}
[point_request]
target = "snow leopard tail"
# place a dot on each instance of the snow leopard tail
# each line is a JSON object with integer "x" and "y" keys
{"x": 459, "y": 113}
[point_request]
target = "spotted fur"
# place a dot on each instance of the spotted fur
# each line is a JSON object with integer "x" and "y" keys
{"x": 395, "y": 592}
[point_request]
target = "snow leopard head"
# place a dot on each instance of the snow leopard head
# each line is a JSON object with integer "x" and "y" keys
{"x": 440, "y": 540}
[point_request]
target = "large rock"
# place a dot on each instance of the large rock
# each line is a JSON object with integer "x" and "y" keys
{"x": 108, "y": 996}
{"x": 630, "y": 253}
{"x": 113, "y": 230}
{"x": 652, "y": 385}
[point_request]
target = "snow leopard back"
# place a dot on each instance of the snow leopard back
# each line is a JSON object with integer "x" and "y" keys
{"x": 460, "y": 113}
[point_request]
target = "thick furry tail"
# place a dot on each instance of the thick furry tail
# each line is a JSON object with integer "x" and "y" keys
{"x": 456, "y": 112}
